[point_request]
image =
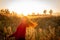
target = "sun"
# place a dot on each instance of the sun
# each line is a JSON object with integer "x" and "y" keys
{"x": 27, "y": 7}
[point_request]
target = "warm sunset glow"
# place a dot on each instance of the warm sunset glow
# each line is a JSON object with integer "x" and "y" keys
{"x": 28, "y": 7}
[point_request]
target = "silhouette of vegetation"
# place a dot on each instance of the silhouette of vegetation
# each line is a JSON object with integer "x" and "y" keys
{"x": 48, "y": 28}
{"x": 51, "y": 11}
{"x": 45, "y": 12}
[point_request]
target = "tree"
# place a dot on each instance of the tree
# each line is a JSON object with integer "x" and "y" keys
{"x": 45, "y": 12}
{"x": 50, "y": 12}
{"x": 33, "y": 13}
{"x": 7, "y": 11}
{"x": 2, "y": 11}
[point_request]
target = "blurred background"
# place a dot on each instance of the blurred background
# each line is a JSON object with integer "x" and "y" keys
{"x": 46, "y": 13}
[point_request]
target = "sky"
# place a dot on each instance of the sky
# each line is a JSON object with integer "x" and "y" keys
{"x": 28, "y": 6}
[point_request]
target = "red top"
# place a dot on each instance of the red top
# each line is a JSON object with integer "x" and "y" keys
{"x": 21, "y": 31}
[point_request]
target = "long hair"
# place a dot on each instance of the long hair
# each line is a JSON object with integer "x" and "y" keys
{"x": 25, "y": 19}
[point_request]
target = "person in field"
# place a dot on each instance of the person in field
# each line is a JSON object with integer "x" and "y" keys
{"x": 21, "y": 29}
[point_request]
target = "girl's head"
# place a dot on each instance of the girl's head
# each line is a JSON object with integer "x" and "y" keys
{"x": 24, "y": 19}
{"x": 29, "y": 22}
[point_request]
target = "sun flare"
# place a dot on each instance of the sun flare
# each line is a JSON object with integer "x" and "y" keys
{"x": 27, "y": 7}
